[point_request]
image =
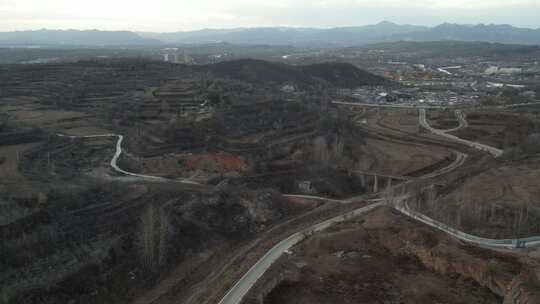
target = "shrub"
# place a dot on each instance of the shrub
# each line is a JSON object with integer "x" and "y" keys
{"x": 532, "y": 144}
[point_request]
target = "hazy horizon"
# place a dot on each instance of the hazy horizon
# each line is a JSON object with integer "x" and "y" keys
{"x": 255, "y": 26}
{"x": 172, "y": 16}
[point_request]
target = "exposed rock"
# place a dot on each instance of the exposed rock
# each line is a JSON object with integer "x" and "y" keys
{"x": 503, "y": 274}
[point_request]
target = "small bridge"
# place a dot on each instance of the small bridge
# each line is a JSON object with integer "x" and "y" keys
{"x": 376, "y": 179}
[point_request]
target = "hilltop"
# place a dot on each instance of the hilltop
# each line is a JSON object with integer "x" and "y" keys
{"x": 336, "y": 74}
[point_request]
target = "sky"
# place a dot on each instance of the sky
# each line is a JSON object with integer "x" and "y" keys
{"x": 181, "y": 15}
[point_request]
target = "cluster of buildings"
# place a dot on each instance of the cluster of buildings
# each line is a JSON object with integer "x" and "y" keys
{"x": 174, "y": 55}
{"x": 410, "y": 95}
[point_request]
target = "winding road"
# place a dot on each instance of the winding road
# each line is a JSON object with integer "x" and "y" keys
{"x": 444, "y": 133}
{"x": 242, "y": 286}
{"x": 118, "y": 152}
{"x": 461, "y": 120}
{"x": 402, "y": 206}
{"x": 459, "y": 160}
{"x": 248, "y": 280}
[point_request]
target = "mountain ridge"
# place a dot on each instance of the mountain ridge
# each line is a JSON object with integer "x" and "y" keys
{"x": 342, "y": 75}
{"x": 299, "y": 36}
{"x": 91, "y": 37}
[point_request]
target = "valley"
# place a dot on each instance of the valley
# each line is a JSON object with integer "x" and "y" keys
{"x": 137, "y": 181}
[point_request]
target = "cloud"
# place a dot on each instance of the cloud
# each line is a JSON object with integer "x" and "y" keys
{"x": 329, "y": 13}
{"x": 173, "y": 15}
{"x": 4, "y": 4}
{"x": 430, "y": 4}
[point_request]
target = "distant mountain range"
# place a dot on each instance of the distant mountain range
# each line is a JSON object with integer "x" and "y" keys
{"x": 339, "y": 36}
{"x": 75, "y": 38}
{"x": 289, "y": 35}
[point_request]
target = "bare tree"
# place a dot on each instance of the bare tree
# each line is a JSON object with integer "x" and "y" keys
{"x": 320, "y": 150}
{"x": 148, "y": 236}
{"x": 389, "y": 194}
{"x": 339, "y": 144}
{"x": 164, "y": 228}
{"x": 431, "y": 199}
{"x": 155, "y": 230}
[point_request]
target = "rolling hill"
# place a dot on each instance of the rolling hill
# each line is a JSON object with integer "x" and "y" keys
{"x": 257, "y": 71}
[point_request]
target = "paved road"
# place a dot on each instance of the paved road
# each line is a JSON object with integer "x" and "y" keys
{"x": 403, "y": 207}
{"x": 519, "y": 105}
{"x": 444, "y": 71}
{"x": 458, "y": 162}
{"x": 416, "y": 106}
{"x": 118, "y": 152}
{"x": 461, "y": 120}
{"x": 395, "y": 106}
{"x": 241, "y": 288}
{"x": 423, "y": 122}
{"x": 400, "y": 204}
{"x": 313, "y": 197}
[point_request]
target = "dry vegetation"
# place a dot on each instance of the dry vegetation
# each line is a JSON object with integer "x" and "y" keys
{"x": 499, "y": 129}
{"x": 499, "y": 202}
{"x": 73, "y": 230}
{"x": 372, "y": 260}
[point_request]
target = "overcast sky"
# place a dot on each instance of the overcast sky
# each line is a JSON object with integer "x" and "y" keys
{"x": 176, "y": 15}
